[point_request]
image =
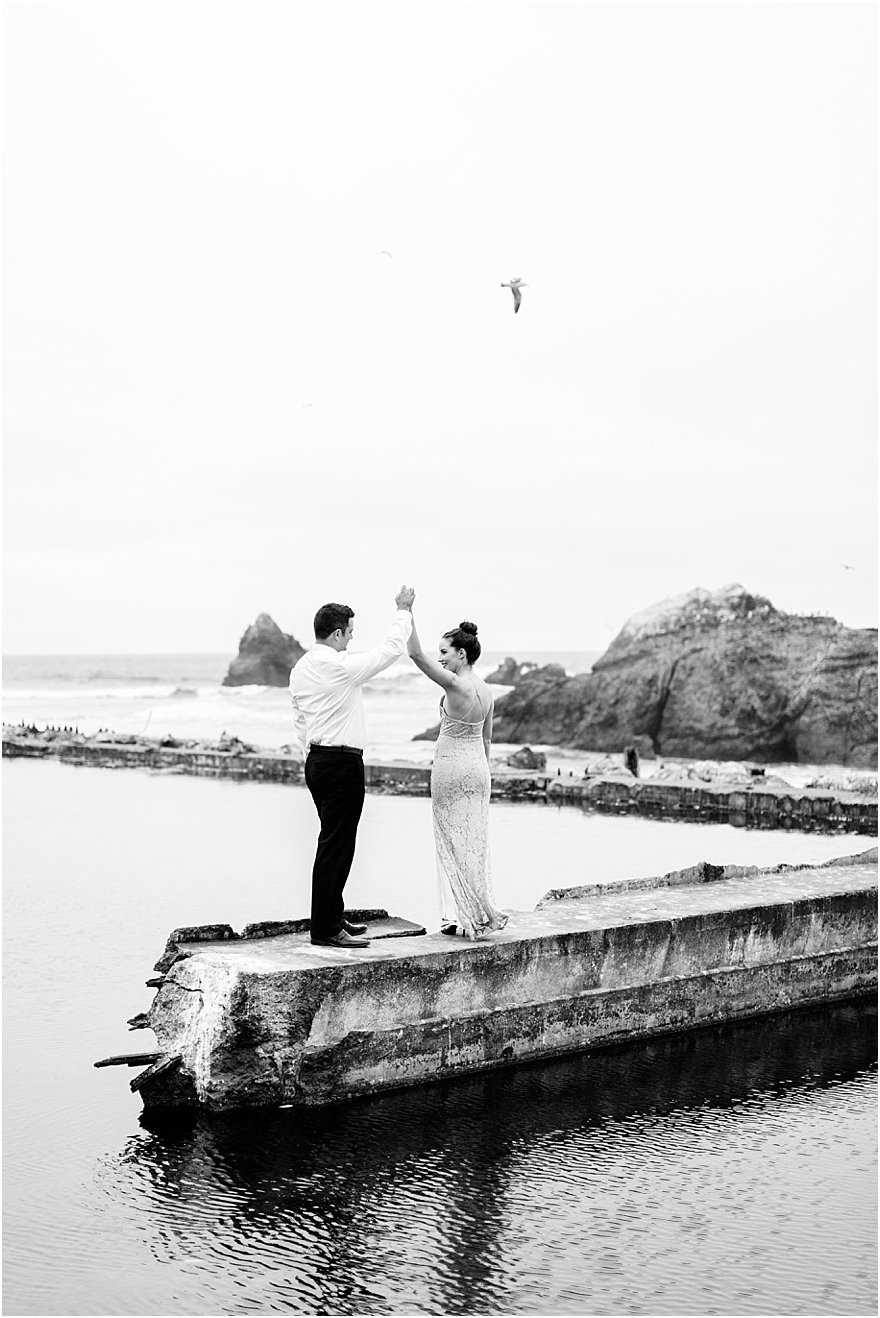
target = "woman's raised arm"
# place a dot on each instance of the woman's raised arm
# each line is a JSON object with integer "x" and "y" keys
{"x": 429, "y": 667}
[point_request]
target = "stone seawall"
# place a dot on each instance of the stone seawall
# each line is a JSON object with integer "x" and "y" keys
{"x": 265, "y": 1018}
{"x": 756, "y": 804}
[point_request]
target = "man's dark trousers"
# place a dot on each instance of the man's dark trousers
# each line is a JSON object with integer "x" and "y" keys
{"x": 335, "y": 779}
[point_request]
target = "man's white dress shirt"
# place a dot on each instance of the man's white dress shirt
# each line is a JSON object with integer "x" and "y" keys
{"x": 325, "y": 688}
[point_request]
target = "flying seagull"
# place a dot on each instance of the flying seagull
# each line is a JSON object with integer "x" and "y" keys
{"x": 515, "y": 285}
{"x": 384, "y": 253}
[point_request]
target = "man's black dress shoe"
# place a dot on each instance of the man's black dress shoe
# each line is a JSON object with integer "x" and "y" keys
{"x": 449, "y": 928}
{"x": 354, "y": 929}
{"x": 342, "y": 939}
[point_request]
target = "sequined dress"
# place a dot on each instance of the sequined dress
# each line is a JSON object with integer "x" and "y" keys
{"x": 460, "y": 786}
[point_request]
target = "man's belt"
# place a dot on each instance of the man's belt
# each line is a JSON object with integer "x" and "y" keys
{"x": 349, "y": 750}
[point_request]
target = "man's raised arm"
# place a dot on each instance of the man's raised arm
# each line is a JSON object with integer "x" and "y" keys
{"x": 361, "y": 667}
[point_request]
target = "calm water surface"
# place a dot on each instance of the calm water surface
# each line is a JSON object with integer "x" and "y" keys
{"x": 725, "y": 1171}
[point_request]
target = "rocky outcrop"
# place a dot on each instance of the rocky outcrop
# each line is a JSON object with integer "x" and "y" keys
{"x": 509, "y": 672}
{"x": 265, "y": 656}
{"x": 712, "y": 675}
{"x": 526, "y": 758}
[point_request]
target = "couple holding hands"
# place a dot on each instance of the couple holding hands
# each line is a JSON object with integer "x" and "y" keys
{"x": 325, "y": 691}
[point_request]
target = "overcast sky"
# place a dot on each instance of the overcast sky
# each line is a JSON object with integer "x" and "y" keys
{"x": 222, "y": 398}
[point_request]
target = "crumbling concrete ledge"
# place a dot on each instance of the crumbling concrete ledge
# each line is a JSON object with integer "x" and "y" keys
{"x": 268, "y": 1020}
{"x": 756, "y": 804}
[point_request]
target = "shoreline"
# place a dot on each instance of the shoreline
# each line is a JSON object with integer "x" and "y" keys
{"x": 746, "y": 802}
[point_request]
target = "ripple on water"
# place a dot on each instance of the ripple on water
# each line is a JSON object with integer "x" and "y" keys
{"x": 729, "y": 1170}
{"x": 688, "y": 1175}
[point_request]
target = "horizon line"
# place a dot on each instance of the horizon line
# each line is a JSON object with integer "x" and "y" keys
{"x": 49, "y": 654}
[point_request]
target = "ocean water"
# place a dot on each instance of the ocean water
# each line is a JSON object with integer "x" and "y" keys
{"x": 183, "y": 696}
{"x": 725, "y": 1171}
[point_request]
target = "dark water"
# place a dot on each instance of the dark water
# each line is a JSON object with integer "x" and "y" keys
{"x": 726, "y": 1171}
{"x": 729, "y": 1171}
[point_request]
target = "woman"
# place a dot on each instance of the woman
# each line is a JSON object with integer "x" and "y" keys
{"x": 460, "y": 783}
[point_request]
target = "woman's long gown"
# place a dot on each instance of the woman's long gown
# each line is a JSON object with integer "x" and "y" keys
{"x": 460, "y": 787}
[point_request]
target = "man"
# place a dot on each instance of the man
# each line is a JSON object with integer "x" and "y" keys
{"x": 328, "y": 714}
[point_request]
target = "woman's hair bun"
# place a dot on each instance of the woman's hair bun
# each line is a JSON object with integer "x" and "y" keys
{"x": 464, "y": 637}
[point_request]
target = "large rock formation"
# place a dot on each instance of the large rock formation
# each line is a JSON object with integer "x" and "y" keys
{"x": 717, "y": 675}
{"x": 509, "y": 671}
{"x": 265, "y": 656}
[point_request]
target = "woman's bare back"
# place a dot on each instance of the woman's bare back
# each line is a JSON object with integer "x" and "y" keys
{"x": 472, "y": 703}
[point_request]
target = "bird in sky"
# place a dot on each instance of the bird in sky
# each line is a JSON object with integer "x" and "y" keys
{"x": 515, "y": 285}
{"x": 384, "y": 253}
{"x": 847, "y": 567}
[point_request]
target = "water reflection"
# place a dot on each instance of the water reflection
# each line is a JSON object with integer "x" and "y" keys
{"x": 556, "y": 1187}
